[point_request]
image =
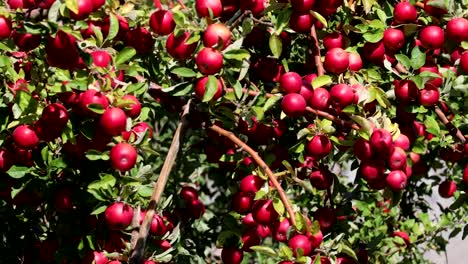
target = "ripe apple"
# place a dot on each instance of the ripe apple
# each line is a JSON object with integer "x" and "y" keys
{"x": 123, "y": 157}
{"x": 62, "y": 51}
{"x": 406, "y": 91}
{"x": 397, "y": 180}
{"x": 85, "y": 8}
{"x": 307, "y": 91}
{"x": 140, "y": 39}
{"x": 464, "y": 62}
{"x": 118, "y": 215}
{"x": 301, "y": 22}
{"x": 291, "y": 82}
{"x": 96, "y": 257}
{"x": 255, "y": 6}
{"x": 334, "y": 40}
{"x": 92, "y": 97}
{"x": 326, "y": 217}
{"x": 25, "y": 137}
{"x": 26, "y": 41}
{"x": 336, "y": 60}
{"x": 403, "y": 142}
{"x": 393, "y": 39}
{"x": 242, "y": 202}
{"x": 263, "y": 231}
{"x": 447, "y": 188}
{"x": 97, "y": 4}
{"x": 101, "y": 58}
{"x": 300, "y": 242}
{"x": 429, "y": 96}
{"x": 188, "y": 193}
{"x": 177, "y": 47}
{"x": 217, "y": 34}
{"x": 374, "y": 52}
{"x": 162, "y": 22}
{"x": 403, "y": 235}
{"x": 341, "y": 95}
{"x": 432, "y": 10}
{"x": 195, "y": 209}
{"x": 263, "y": 212}
{"x": 123, "y": 27}
{"x": 381, "y": 142}
{"x": 63, "y": 199}
{"x": 321, "y": 99}
{"x": 113, "y": 121}
{"x": 200, "y": 88}
{"x": 203, "y": 8}
{"x": 6, "y": 160}
{"x": 134, "y": 109}
{"x": 405, "y": 13}
{"x": 157, "y": 227}
{"x": 250, "y": 238}
{"x": 355, "y": 62}
{"x": 457, "y": 29}
{"x": 319, "y": 146}
{"x": 251, "y": 184}
{"x": 321, "y": 178}
{"x": 232, "y": 255}
{"x": 362, "y": 149}
{"x": 465, "y": 175}
{"x": 293, "y": 105}
{"x": 432, "y": 37}
{"x": 138, "y": 129}
{"x": 432, "y": 67}
{"x": 280, "y": 230}
{"x": 397, "y": 159}
{"x": 302, "y": 5}
{"x": 248, "y": 221}
{"x": 372, "y": 170}
{"x": 209, "y": 61}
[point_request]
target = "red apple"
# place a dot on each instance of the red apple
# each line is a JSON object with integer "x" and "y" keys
{"x": 118, "y": 215}
{"x": 263, "y": 212}
{"x": 397, "y": 180}
{"x": 326, "y": 217}
{"x": 300, "y": 242}
{"x": 301, "y": 22}
{"x": 405, "y": 13}
{"x": 291, "y": 82}
{"x": 92, "y": 97}
{"x": 432, "y": 37}
{"x": 319, "y": 146}
{"x": 217, "y": 34}
{"x": 249, "y": 239}
{"x": 374, "y": 52}
{"x": 63, "y": 199}
{"x": 162, "y": 22}
{"x": 293, "y": 105}
{"x": 355, "y": 62}
{"x": 336, "y": 60}
{"x": 97, "y": 4}
{"x": 101, "y": 58}
{"x": 464, "y": 62}
{"x": 140, "y": 39}
{"x": 134, "y": 109}
{"x": 6, "y": 160}
{"x": 403, "y": 235}
{"x": 232, "y": 255}
{"x": 393, "y": 39}
{"x": 381, "y": 142}
{"x": 397, "y": 159}
{"x": 26, "y": 41}
{"x": 429, "y": 96}
{"x": 95, "y": 257}
{"x": 302, "y": 5}
{"x": 188, "y": 193}
{"x": 403, "y": 142}
{"x": 320, "y": 99}
{"x": 200, "y": 88}
{"x": 203, "y": 8}
{"x": 209, "y": 61}
{"x": 195, "y": 209}
{"x": 280, "y": 230}
{"x": 457, "y": 29}
{"x": 113, "y": 121}
{"x": 372, "y": 170}
{"x": 406, "y": 91}
{"x": 242, "y": 202}
{"x": 85, "y": 8}
{"x": 362, "y": 149}
{"x": 432, "y": 10}
{"x": 251, "y": 184}
{"x": 123, "y": 157}
{"x": 25, "y": 137}
{"x": 177, "y": 47}
{"x": 334, "y": 40}
{"x": 321, "y": 178}
{"x": 447, "y": 188}
{"x": 341, "y": 95}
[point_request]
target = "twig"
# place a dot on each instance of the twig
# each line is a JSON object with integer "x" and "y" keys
{"x": 453, "y": 130}
{"x": 262, "y": 164}
{"x": 333, "y": 118}
{"x": 137, "y": 252}
{"x": 135, "y": 226}
{"x": 182, "y": 4}
{"x": 303, "y": 184}
{"x": 316, "y": 52}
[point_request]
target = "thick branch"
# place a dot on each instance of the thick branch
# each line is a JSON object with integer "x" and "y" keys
{"x": 137, "y": 252}
{"x": 454, "y": 131}
{"x": 316, "y": 52}
{"x": 262, "y": 165}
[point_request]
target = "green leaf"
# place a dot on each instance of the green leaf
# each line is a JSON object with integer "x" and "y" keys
{"x": 404, "y": 60}
{"x": 26, "y": 102}
{"x": 145, "y": 191}
{"x": 237, "y": 54}
{"x": 432, "y": 126}
{"x": 418, "y": 80}
{"x": 320, "y": 18}
{"x": 96, "y": 108}
{"x": 264, "y": 250}
{"x": 381, "y": 14}
{"x": 279, "y": 206}
{"x": 93, "y": 154}
{"x": 259, "y": 112}
{"x": 72, "y": 5}
{"x": 113, "y": 28}
{"x": 106, "y": 182}
{"x": 125, "y": 55}
{"x": 282, "y": 20}
{"x": 321, "y": 81}
{"x": 238, "y": 89}
{"x": 99, "y": 210}
{"x": 368, "y": 5}
{"x": 99, "y": 37}
{"x": 276, "y": 45}
{"x": 184, "y": 72}
{"x": 271, "y": 102}
{"x": 373, "y": 36}
{"x": 18, "y": 172}
{"x": 211, "y": 88}
{"x": 52, "y": 15}
{"x": 136, "y": 88}
{"x": 366, "y": 128}
{"x": 418, "y": 58}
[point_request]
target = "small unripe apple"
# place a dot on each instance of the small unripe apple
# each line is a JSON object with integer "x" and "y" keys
{"x": 203, "y": 8}
{"x": 118, "y": 215}
{"x": 429, "y": 96}
{"x": 393, "y": 39}
{"x": 397, "y": 180}
{"x": 447, "y": 188}
{"x": 293, "y": 105}
{"x": 381, "y": 142}
{"x": 25, "y": 137}
{"x": 123, "y": 157}
{"x": 200, "y": 88}
{"x": 209, "y": 61}
{"x": 321, "y": 99}
{"x": 334, "y": 40}
{"x": 336, "y": 60}
{"x": 319, "y": 146}
{"x": 217, "y": 34}
{"x": 404, "y": 13}
{"x": 101, "y": 58}
{"x": 232, "y": 255}
{"x": 162, "y": 22}
{"x": 301, "y": 22}
{"x": 432, "y": 37}
{"x": 457, "y": 29}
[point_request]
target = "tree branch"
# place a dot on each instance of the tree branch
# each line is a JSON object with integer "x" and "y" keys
{"x": 262, "y": 164}
{"x": 453, "y": 130}
{"x": 316, "y": 52}
{"x": 136, "y": 256}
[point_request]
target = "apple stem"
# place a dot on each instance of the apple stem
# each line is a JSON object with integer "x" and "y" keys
{"x": 316, "y": 52}
{"x": 261, "y": 163}
{"x": 453, "y": 130}
{"x": 136, "y": 256}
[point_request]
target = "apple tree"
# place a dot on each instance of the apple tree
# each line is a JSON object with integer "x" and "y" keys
{"x": 232, "y": 131}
